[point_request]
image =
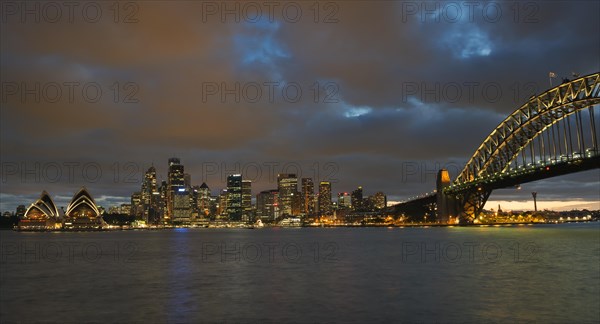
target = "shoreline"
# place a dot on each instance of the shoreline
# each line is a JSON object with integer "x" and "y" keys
{"x": 303, "y": 226}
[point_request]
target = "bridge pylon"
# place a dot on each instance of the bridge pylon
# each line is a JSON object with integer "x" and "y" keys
{"x": 447, "y": 210}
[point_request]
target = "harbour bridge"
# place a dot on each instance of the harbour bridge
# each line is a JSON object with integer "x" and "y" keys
{"x": 552, "y": 134}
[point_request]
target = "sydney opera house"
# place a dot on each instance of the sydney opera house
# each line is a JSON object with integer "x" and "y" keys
{"x": 81, "y": 213}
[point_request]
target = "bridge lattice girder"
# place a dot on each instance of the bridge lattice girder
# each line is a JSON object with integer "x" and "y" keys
{"x": 503, "y": 145}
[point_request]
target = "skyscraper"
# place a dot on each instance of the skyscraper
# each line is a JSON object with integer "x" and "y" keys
{"x": 194, "y": 201}
{"x": 308, "y": 193}
{"x": 234, "y": 197}
{"x": 343, "y": 200}
{"x": 204, "y": 200}
{"x": 357, "y": 199}
{"x": 149, "y": 185}
{"x": 246, "y": 200}
{"x": 267, "y": 205}
{"x": 162, "y": 203}
{"x": 176, "y": 181}
{"x": 155, "y": 212}
{"x": 296, "y": 203}
{"x": 222, "y": 206}
{"x": 181, "y": 206}
{"x": 149, "y": 188}
{"x": 325, "y": 204}
{"x": 287, "y": 185}
{"x": 136, "y": 205}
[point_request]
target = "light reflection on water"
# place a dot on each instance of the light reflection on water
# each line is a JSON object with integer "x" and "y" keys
{"x": 504, "y": 274}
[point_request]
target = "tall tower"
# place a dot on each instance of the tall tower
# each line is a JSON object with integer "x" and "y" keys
{"x": 176, "y": 181}
{"x": 234, "y": 197}
{"x": 222, "y": 209}
{"x": 149, "y": 189}
{"x": 357, "y": 199}
{"x": 325, "y": 204}
{"x": 163, "y": 200}
{"x": 308, "y": 194}
{"x": 246, "y": 200}
{"x": 287, "y": 185}
{"x": 204, "y": 200}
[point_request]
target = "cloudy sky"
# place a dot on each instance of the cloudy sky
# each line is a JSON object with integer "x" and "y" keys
{"x": 373, "y": 93}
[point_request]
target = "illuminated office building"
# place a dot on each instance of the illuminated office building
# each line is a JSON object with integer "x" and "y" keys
{"x": 325, "y": 203}
{"x": 357, "y": 199}
{"x": 182, "y": 210}
{"x": 343, "y": 200}
{"x": 287, "y": 185}
{"x": 246, "y": 200}
{"x": 267, "y": 205}
{"x": 176, "y": 180}
{"x": 308, "y": 194}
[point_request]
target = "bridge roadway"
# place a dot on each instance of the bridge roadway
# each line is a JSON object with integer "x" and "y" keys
{"x": 528, "y": 174}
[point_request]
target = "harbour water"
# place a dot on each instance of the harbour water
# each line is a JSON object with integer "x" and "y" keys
{"x": 542, "y": 273}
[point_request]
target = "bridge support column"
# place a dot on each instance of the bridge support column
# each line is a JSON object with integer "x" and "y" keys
{"x": 446, "y": 204}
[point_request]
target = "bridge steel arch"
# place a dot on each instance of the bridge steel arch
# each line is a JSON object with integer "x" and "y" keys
{"x": 496, "y": 153}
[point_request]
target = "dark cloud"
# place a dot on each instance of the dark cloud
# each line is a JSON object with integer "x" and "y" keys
{"x": 399, "y": 94}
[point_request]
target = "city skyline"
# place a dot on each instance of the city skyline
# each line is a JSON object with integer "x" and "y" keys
{"x": 525, "y": 203}
{"x": 158, "y": 200}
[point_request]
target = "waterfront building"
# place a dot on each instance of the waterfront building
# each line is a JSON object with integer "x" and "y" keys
{"x": 82, "y": 212}
{"x": 357, "y": 199}
{"x": 343, "y": 200}
{"x": 308, "y": 195}
{"x": 176, "y": 180}
{"x": 246, "y": 200}
{"x": 267, "y": 205}
{"x": 182, "y": 211}
{"x": 325, "y": 203}
{"x": 287, "y": 185}
{"x": 42, "y": 214}
{"x": 234, "y": 197}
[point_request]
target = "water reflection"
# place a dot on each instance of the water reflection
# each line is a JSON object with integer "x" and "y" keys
{"x": 506, "y": 274}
